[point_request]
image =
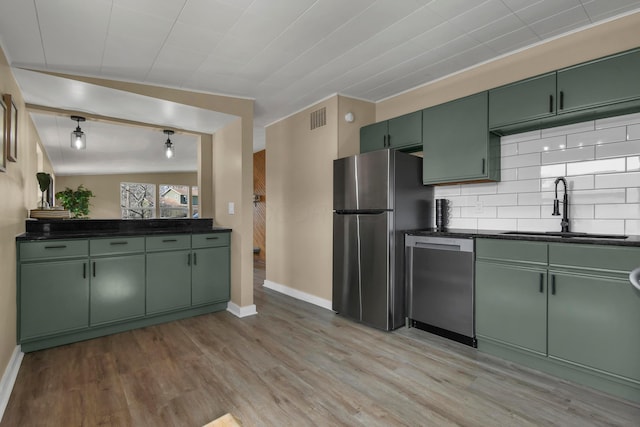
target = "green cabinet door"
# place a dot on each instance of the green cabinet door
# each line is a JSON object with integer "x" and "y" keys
{"x": 594, "y": 321}
{"x": 210, "y": 275}
{"x": 610, "y": 80}
{"x": 522, "y": 101}
{"x": 405, "y": 131}
{"x": 511, "y": 305}
{"x": 117, "y": 288}
{"x": 373, "y": 137}
{"x": 457, "y": 145}
{"x": 168, "y": 281}
{"x": 54, "y": 297}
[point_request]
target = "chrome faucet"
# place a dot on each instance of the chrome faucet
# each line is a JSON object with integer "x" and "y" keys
{"x": 565, "y": 206}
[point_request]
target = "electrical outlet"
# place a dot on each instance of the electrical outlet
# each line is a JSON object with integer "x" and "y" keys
{"x": 479, "y": 207}
{"x": 232, "y": 208}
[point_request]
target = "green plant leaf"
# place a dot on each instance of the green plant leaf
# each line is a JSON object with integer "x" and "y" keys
{"x": 44, "y": 180}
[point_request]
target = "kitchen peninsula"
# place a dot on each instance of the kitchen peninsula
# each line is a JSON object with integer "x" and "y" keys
{"x": 80, "y": 279}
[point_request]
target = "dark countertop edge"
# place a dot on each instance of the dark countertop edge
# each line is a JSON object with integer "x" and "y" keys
{"x": 112, "y": 233}
{"x": 499, "y": 234}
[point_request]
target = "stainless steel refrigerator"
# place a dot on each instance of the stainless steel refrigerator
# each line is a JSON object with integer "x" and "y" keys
{"x": 376, "y": 197}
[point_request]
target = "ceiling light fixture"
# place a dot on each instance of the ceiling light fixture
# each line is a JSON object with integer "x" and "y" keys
{"x": 168, "y": 146}
{"x": 78, "y": 138}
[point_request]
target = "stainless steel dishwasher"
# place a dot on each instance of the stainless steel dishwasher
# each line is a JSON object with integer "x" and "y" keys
{"x": 440, "y": 286}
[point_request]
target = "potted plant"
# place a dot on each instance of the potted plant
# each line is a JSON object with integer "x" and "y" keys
{"x": 44, "y": 181}
{"x": 75, "y": 201}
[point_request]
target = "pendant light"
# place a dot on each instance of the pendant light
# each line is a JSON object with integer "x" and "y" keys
{"x": 168, "y": 146}
{"x": 78, "y": 138}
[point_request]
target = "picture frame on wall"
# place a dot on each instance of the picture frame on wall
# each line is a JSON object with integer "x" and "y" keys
{"x": 3, "y": 136}
{"x": 11, "y": 124}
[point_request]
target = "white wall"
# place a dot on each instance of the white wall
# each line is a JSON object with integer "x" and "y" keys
{"x": 600, "y": 160}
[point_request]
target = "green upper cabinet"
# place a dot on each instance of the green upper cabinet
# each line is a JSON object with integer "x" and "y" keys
{"x": 522, "y": 101}
{"x": 601, "y": 88}
{"x": 457, "y": 145}
{"x": 399, "y": 133}
{"x": 612, "y": 80}
{"x": 373, "y": 137}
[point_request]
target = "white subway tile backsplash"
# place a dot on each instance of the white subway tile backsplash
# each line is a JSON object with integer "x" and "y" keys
{"x": 633, "y": 195}
{"x": 524, "y": 186}
{"x": 610, "y": 122}
{"x": 499, "y": 199}
{"x": 519, "y": 212}
{"x": 633, "y": 132}
{"x": 596, "y": 166}
{"x": 525, "y": 136}
{"x": 521, "y": 160}
{"x": 529, "y": 172}
{"x": 600, "y": 160}
{"x": 596, "y": 197}
{"x": 628, "y": 148}
{"x": 568, "y": 155}
{"x": 554, "y": 171}
{"x": 617, "y": 180}
{"x": 600, "y": 226}
{"x": 618, "y": 211}
{"x": 497, "y": 224}
{"x": 545, "y": 144}
{"x": 603, "y": 136}
{"x": 568, "y": 129}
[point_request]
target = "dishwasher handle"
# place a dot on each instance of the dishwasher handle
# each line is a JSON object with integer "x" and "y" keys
{"x": 455, "y": 244}
{"x": 437, "y": 246}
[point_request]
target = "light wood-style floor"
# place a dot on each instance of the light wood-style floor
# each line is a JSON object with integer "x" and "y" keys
{"x": 293, "y": 364}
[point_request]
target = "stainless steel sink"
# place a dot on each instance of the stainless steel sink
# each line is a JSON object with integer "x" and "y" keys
{"x": 566, "y": 235}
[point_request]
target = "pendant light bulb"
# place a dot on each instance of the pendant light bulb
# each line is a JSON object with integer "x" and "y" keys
{"x": 78, "y": 138}
{"x": 168, "y": 146}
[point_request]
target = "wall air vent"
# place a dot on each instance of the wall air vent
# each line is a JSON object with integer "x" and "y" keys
{"x": 318, "y": 118}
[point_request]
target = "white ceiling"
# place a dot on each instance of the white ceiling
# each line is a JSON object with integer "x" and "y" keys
{"x": 285, "y": 54}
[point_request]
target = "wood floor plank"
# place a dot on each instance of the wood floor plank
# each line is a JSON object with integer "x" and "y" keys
{"x": 293, "y": 364}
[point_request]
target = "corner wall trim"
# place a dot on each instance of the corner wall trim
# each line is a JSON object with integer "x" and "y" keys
{"x": 9, "y": 378}
{"x": 295, "y": 293}
{"x": 236, "y": 310}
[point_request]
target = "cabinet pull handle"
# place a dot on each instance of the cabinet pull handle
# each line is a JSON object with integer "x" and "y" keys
{"x": 483, "y": 165}
{"x": 388, "y": 140}
{"x": 541, "y": 283}
{"x": 84, "y": 270}
{"x": 561, "y": 100}
{"x": 553, "y": 284}
{"x": 634, "y": 278}
{"x": 55, "y": 247}
{"x": 384, "y": 140}
{"x": 195, "y": 258}
{"x": 169, "y": 240}
{"x": 189, "y": 259}
{"x": 119, "y": 243}
{"x": 551, "y": 103}
{"x": 94, "y": 269}
{"x": 212, "y": 238}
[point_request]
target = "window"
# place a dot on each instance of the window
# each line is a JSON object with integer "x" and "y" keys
{"x": 174, "y": 201}
{"x": 195, "y": 212}
{"x": 137, "y": 200}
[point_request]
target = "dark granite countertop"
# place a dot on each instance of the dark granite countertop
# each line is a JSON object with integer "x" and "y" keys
{"x": 50, "y": 229}
{"x": 633, "y": 240}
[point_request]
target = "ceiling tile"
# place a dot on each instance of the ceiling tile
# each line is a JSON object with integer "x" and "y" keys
{"x": 195, "y": 39}
{"x": 498, "y": 28}
{"x": 561, "y": 22}
{"x": 597, "y": 9}
{"x": 449, "y": 9}
{"x": 544, "y": 9}
{"x": 22, "y": 20}
{"x": 162, "y": 9}
{"x": 218, "y": 15}
{"x": 480, "y": 16}
{"x": 514, "y": 40}
{"x": 174, "y": 66}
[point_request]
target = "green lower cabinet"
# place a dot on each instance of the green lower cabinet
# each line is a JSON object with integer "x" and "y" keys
{"x": 168, "y": 281}
{"x": 210, "y": 275}
{"x": 511, "y": 305}
{"x": 117, "y": 288}
{"x": 54, "y": 298}
{"x": 594, "y": 321}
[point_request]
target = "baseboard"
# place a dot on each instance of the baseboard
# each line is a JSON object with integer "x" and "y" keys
{"x": 9, "y": 378}
{"x": 236, "y": 310}
{"x": 294, "y": 293}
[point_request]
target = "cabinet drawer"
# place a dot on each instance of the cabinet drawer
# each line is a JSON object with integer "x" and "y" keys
{"x": 512, "y": 250}
{"x": 116, "y": 245}
{"x": 595, "y": 257}
{"x": 53, "y": 249}
{"x": 209, "y": 240}
{"x": 168, "y": 242}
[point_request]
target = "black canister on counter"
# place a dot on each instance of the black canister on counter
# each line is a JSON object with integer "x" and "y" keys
{"x": 442, "y": 214}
